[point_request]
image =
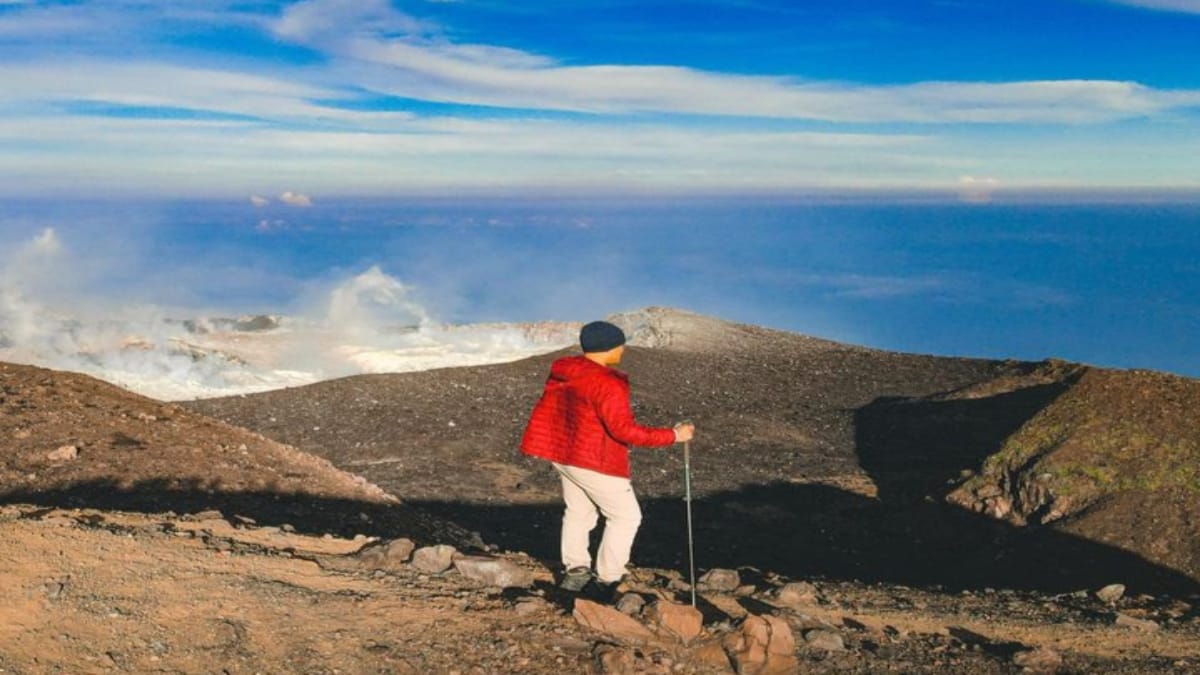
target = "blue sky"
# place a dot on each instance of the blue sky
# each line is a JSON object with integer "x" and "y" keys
{"x": 369, "y": 97}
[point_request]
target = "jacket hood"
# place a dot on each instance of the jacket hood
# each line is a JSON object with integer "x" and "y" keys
{"x": 571, "y": 368}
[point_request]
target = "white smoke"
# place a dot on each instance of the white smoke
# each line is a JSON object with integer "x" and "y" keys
{"x": 369, "y": 323}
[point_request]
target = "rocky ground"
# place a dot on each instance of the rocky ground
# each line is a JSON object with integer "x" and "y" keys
{"x": 83, "y": 590}
{"x": 813, "y": 458}
{"x": 141, "y": 536}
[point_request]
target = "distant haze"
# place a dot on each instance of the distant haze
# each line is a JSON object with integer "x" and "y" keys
{"x": 1109, "y": 284}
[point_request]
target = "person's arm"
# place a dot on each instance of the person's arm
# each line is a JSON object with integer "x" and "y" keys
{"x": 617, "y": 415}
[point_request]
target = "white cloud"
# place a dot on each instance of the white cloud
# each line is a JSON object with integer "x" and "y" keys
{"x": 259, "y": 202}
{"x": 1189, "y": 6}
{"x": 415, "y": 64}
{"x": 296, "y": 199}
{"x": 977, "y": 189}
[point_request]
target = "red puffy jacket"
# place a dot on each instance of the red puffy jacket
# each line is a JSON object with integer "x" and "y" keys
{"x": 584, "y": 419}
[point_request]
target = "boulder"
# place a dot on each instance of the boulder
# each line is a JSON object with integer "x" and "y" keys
{"x": 764, "y": 646}
{"x": 721, "y": 580}
{"x": 1111, "y": 593}
{"x": 683, "y": 621}
{"x": 611, "y": 623}
{"x": 434, "y": 559}
{"x": 493, "y": 572}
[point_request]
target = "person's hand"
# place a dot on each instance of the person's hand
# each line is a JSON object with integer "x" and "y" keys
{"x": 684, "y": 432}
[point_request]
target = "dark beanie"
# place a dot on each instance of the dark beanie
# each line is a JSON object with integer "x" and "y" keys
{"x": 600, "y": 336}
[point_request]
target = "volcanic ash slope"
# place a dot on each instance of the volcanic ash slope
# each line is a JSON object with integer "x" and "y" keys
{"x": 813, "y": 457}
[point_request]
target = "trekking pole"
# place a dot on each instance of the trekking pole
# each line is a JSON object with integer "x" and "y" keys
{"x": 687, "y": 487}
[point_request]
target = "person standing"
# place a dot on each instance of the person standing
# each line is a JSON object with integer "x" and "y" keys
{"x": 583, "y": 424}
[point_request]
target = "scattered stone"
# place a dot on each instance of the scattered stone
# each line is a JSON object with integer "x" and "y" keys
{"x": 613, "y": 659}
{"x": 65, "y": 453}
{"x": 388, "y": 556}
{"x": 530, "y": 606}
{"x": 709, "y": 656}
{"x": 54, "y": 589}
{"x": 1111, "y": 593}
{"x": 610, "y": 622}
{"x": 796, "y": 594}
{"x": 631, "y": 604}
{"x": 434, "y": 559}
{"x": 493, "y": 572}
{"x": 1144, "y": 625}
{"x": 1040, "y": 660}
{"x": 823, "y": 638}
{"x": 721, "y": 580}
{"x": 763, "y": 646}
{"x": 683, "y": 621}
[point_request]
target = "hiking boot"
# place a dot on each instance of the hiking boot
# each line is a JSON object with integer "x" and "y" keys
{"x": 606, "y": 593}
{"x": 575, "y": 579}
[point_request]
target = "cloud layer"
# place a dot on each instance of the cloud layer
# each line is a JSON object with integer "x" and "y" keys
{"x": 374, "y": 99}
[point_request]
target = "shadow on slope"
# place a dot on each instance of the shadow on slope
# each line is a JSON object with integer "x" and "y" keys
{"x": 308, "y": 514}
{"x": 822, "y": 531}
{"x": 912, "y": 449}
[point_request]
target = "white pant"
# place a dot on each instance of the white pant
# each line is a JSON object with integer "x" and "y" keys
{"x": 584, "y": 492}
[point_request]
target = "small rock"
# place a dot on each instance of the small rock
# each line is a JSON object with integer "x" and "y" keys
{"x": 613, "y": 659}
{"x": 65, "y": 453}
{"x": 828, "y": 640}
{"x": 683, "y": 621}
{"x": 1144, "y": 625}
{"x": 1111, "y": 593}
{"x": 721, "y": 580}
{"x": 1041, "y": 660}
{"x": 530, "y": 606}
{"x": 796, "y": 594}
{"x": 610, "y": 622}
{"x": 764, "y": 646}
{"x": 54, "y": 589}
{"x": 745, "y": 590}
{"x": 494, "y": 572}
{"x": 709, "y": 657}
{"x": 434, "y": 559}
{"x": 388, "y": 556}
{"x": 631, "y": 604}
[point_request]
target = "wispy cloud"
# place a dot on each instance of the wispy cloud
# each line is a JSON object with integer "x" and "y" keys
{"x": 371, "y": 97}
{"x": 386, "y": 51}
{"x": 1189, "y": 6}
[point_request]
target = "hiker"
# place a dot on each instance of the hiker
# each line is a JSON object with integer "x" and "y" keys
{"x": 584, "y": 425}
